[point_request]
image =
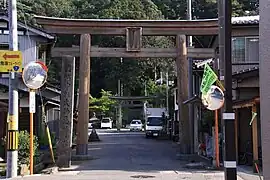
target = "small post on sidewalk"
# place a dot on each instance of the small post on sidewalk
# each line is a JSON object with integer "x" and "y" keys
{"x": 216, "y": 139}
{"x": 34, "y": 76}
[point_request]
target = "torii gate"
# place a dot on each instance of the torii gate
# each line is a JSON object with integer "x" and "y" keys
{"x": 133, "y": 30}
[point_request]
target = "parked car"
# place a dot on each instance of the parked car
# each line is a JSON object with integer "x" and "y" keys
{"x": 94, "y": 123}
{"x": 136, "y": 125}
{"x": 106, "y": 123}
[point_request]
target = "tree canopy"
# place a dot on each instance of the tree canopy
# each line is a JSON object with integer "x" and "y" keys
{"x": 103, "y": 105}
{"x": 133, "y": 73}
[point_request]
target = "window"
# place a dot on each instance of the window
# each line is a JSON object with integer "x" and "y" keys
{"x": 19, "y": 32}
{"x": 4, "y": 46}
{"x": 136, "y": 122}
{"x": 245, "y": 49}
{"x": 155, "y": 121}
{"x": 105, "y": 120}
{"x": 238, "y": 50}
{"x": 252, "y": 49}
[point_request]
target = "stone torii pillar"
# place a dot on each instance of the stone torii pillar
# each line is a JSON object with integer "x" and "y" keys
{"x": 66, "y": 112}
{"x": 84, "y": 90}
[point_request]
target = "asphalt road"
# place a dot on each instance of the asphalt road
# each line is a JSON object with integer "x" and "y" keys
{"x": 131, "y": 151}
{"x": 130, "y": 156}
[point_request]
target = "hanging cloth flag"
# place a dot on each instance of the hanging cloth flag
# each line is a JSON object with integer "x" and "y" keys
{"x": 209, "y": 78}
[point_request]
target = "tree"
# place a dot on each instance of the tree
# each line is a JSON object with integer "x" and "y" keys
{"x": 203, "y": 9}
{"x": 159, "y": 91}
{"x": 132, "y": 72}
{"x": 56, "y": 8}
{"x": 103, "y": 105}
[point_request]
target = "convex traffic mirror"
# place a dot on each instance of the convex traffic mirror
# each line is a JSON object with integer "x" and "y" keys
{"x": 213, "y": 99}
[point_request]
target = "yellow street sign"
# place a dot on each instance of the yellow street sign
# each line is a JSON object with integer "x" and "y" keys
{"x": 10, "y": 61}
{"x": 12, "y": 123}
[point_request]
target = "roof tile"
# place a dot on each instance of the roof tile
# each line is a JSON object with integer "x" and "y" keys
{"x": 245, "y": 20}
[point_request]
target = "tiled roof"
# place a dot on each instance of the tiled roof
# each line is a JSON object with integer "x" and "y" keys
{"x": 201, "y": 67}
{"x": 246, "y": 70}
{"x": 245, "y": 20}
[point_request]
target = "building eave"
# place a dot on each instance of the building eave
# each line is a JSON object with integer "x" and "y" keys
{"x": 246, "y": 73}
{"x": 31, "y": 28}
{"x": 43, "y": 92}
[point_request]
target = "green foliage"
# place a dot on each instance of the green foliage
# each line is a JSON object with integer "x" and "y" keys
{"x": 24, "y": 147}
{"x": 131, "y": 9}
{"x": 203, "y": 9}
{"x": 132, "y": 72}
{"x": 2, "y": 150}
{"x": 57, "y": 8}
{"x": 159, "y": 91}
{"x": 104, "y": 104}
{"x": 44, "y": 141}
{"x": 155, "y": 90}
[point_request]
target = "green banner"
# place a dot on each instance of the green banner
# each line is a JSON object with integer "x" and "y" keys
{"x": 209, "y": 77}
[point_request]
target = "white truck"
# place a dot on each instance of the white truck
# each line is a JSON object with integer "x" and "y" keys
{"x": 155, "y": 119}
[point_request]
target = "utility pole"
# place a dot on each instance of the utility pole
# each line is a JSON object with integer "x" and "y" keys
{"x": 12, "y": 154}
{"x": 225, "y": 33}
{"x": 120, "y": 93}
{"x": 190, "y": 80}
{"x": 167, "y": 91}
{"x": 265, "y": 85}
{"x": 119, "y": 107}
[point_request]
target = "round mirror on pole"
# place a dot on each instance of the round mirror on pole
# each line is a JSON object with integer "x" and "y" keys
{"x": 34, "y": 75}
{"x": 213, "y": 99}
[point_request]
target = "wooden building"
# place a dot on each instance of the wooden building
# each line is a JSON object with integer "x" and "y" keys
{"x": 33, "y": 43}
{"x": 245, "y": 68}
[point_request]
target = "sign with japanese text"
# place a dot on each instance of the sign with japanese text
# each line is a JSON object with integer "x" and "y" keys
{"x": 10, "y": 61}
{"x": 209, "y": 77}
{"x": 32, "y": 102}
